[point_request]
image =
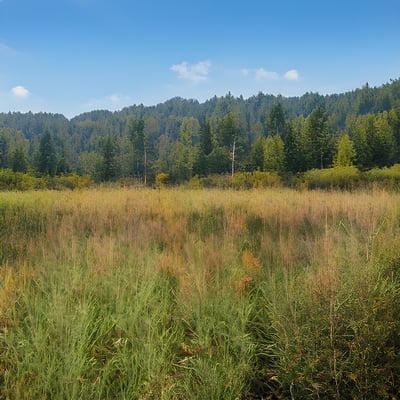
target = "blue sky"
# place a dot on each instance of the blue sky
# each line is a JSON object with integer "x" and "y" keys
{"x": 72, "y": 56}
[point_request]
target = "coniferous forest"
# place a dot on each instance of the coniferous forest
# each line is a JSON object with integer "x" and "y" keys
{"x": 183, "y": 139}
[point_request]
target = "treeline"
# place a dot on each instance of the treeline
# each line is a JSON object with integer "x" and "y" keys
{"x": 225, "y": 135}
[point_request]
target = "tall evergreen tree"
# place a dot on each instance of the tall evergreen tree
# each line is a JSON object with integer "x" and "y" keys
{"x": 256, "y": 155}
{"x": 206, "y": 144}
{"x": 18, "y": 160}
{"x": 135, "y": 131}
{"x": 47, "y": 159}
{"x": 108, "y": 166}
{"x": 3, "y": 152}
{"x": 363, "y": 129}
{"x": 384, "y": 144}
{"x": 295, "y": 160}
{"x": 317, "y": 141}
{"x": 276, "y": 121}
{"x": 200, "y": 166}
{"x": 228, "y": 130}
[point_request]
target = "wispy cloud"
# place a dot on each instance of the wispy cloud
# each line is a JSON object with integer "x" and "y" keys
{"x": 192, "y": 72}
{"x": 113, "y": 101}
{"x": 292, "y": 75}
{"x": 262, "y": 74}
{"x": 20, "y": 92}
{"x": 118, "y": 98}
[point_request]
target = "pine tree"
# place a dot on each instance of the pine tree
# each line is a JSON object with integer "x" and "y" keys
{"x": 47, "y": 159}
{"x": 135, "y": 131}
{"x": 317, "y": 142}
{"x": 108, "y": 167}
{"x": 276, "y": 121}
{"x": 18, "y": 160}
{"x": 3, "y": 152}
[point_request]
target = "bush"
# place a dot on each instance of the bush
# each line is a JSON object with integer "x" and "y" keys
{"x": 161, "y": 180}
{"x": 10, "y": 180}
{"x": 388, "y": 178}
{"x": 243, "y": 180}
{"x": 332, "y": 178}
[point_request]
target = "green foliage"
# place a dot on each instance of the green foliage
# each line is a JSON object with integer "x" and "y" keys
{"x": 294, "y": 154}
{"x": 242, "y": 180}
{"x": 332, "y": 347}
{"x": 257, "y": 179}
{"x": 276, "y": 121}
{"x": 46, "y": 163}
{"x": 374, "y": 141}
{"x": 388, "y": 178}
{"x": 351, "y": 178}
{"x": 18, "y": 160}
{"x": 219, "y": 161}
{"x": 345, "y": 152}
{"x": 10, "y": 180}
{"x": 332, "y": 178}
{"x": 3, "y": 151}
{"x": 161, "y": 180}
{"x": 185, "y": 138}
{"x": 256, "y": 155}
{"x": 135, "y": 131}
{"x": 228, "y": 130}
{"x": 274, "y": 156}
{"x": 316, "y": 140}
{"x": 108, "y": 167}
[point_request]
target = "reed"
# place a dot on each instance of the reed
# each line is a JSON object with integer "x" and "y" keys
{"x": 195, "y": 294}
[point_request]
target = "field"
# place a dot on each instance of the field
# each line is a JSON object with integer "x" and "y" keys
{"x": 199, "y": 294}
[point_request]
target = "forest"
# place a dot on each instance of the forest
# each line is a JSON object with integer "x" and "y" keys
{"x": 184, "y": 140}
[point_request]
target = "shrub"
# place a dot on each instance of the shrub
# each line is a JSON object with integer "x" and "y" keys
{"x": 388, "y": 178}
{"x": 243, "y": 180}
{"x": 161, "y": 180}
{"x": 332, "y": 178}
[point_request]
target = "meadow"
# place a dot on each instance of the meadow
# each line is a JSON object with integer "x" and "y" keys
{"x": 119, "y": 293}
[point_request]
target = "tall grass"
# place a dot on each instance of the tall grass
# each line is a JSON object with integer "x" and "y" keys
{"x": 180, "y": 294}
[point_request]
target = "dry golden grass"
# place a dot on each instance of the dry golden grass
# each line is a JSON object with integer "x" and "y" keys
{"x": 292, "y": 253}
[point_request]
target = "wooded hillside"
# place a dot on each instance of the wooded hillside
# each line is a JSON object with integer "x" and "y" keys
{"x": 184, "y": 138}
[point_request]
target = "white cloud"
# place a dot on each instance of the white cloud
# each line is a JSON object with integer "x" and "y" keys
{"x": 192, "y": 72}
{"x": 292, "y": 75}
{"x": 20, "y": 92}
{"x": 118, "y": 98}
{"x": 244, "y": 71}
{"x": 263, "y": 74}
{"x": 112, "y": 102}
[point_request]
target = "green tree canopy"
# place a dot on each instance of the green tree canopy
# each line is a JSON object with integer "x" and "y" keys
{"x": 18, "y": 160}
{"x": 345, "y": 152}
{"x": 47, "y": 158}
{"x": 317, "y": 141}
{"x": 274, "y": 155}
{"x": 108, "y": 166}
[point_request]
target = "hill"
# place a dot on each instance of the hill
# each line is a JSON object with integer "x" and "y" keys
{"x": 183, "y": 137}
